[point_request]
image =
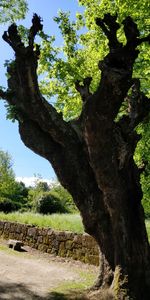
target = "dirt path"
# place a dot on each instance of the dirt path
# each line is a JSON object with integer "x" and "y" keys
{"x": 33, "y": 275}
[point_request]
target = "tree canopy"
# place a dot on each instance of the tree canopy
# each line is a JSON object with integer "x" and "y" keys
{"x": 13, "y": 194}
{"x": 7, "y": 176}
{"x": 11, "y": 10}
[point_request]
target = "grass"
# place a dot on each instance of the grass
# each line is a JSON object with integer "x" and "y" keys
{"x": 71, "y": 222}
{"x": 86, "y": 281}
{"x": 75, "y": 289}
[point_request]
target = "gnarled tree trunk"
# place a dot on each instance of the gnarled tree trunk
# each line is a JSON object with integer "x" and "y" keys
{"x": 93, "y": 156}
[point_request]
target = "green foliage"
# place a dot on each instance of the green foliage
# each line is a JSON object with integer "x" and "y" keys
{"x": 49, "y": 204}
{"x": 12, "y": 194}
{"x": 11, "y": 10}
{"x": 8, "y": 186}
{"x": 7, "y": 205}
{"x": 42, "y": 186}
{"x": 84, "y": 46}
{"x": 56, "y": 192}
{"x": 142, "y": 158}
{"x": 65, "y": 198}
{"x": 35, "y": 192}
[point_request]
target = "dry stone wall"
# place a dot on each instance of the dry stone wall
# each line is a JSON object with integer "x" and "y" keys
{"x": 63, "y": 243}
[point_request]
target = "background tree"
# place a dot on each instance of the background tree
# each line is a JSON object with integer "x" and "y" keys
{"x": 13, "y": 195}
{"x": 7, "y": 176}
{"x": 48, "y": 199}
{"x": 92, "y": 155}
{"x": 47, "y": 203}
{"x": 58, "y": 191}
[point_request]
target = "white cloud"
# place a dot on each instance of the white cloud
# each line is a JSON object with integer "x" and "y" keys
{"x": 31, "y": 181}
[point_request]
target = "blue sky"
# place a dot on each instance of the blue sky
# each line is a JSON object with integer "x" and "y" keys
{"x": 25, "y": 162}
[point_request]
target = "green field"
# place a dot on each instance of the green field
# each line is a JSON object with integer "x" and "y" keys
{"x": 71, "y": 222}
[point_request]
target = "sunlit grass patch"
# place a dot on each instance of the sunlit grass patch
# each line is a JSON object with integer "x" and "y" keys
{"x": 71, "y": 222}
{"x": 86, "y": 280}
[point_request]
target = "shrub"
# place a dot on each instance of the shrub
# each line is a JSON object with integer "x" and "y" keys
{"x": 66, "y": 199}
{"x": 7, "y": 205}
{"x": 146, "y": 206}
{"x": 49, "y": 204}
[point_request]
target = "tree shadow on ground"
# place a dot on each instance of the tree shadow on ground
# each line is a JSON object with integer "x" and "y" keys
{"x": 69, "y": 296}
{"x": 80, "y": 295}
{"x": 17, "y": 291}
{"x": 57, "y": 296}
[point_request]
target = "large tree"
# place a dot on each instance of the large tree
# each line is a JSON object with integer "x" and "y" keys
{"x": 93, "y": 155}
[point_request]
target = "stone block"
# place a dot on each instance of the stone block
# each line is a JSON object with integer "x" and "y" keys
{"x": 49, "y": 250}
{"x": 42, "y": 248}
{"x": 2, "y": 225}
{"x": 69, "y": 244}
{"x": 32, "y": 231}
{"x": 62, "y": 236}
{"x": 46, "y": 240}
{"x": 92, "y": 259}
{"x": 50, "y": 231}
{"x": 78, "y": 239}
{"x": 62, "y": 249}
{"x": 54, "y": 251}
{"x": 55, "y": 243}
{"x": 16, "y": 245}
{"x": 40, "y": 239}
{"x": 7, "y": 226}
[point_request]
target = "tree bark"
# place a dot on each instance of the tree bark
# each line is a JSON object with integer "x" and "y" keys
{"x": 93, "y": 156}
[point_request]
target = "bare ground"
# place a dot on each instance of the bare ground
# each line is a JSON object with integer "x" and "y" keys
{"x": 34, "y": 275}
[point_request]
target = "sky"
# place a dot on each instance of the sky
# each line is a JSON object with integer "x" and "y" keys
{"x": 27, "y": 164}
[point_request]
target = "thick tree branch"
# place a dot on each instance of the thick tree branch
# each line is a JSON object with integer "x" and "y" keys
{"x": 35, "y": 28}
{"x": 109, "y": 26}
{"x": 72, "y": 158}
{"x": 139, "y": 105}
{"x": 13, "y": 39}
{"x": 4, "y": 95}
{"x": 100, "y": 113}
{"x": 23, "y": 83}
{"x": 83, "y": 89}
{"x": 131, "y": 31}
{"x": 116, "y": 68}
{"x": 138, "y": 109}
